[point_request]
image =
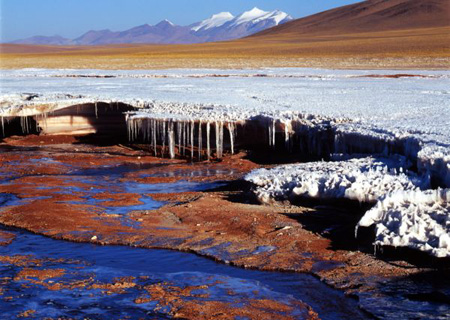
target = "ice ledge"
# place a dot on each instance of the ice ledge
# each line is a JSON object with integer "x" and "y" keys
{"x": 315, "y": 135}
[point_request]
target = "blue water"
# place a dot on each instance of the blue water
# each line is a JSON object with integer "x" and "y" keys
{"x": 182, "y": 269}
{"x": 104, "y": 263}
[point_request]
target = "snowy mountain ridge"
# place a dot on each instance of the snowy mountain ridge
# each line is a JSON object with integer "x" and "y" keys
{"x": 256, "y": 15}
{"x": 219, "y": 27}
{"x": 215, "y": 21}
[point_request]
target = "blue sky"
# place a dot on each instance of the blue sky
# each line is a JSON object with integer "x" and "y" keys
{"x": 71, "y": 18}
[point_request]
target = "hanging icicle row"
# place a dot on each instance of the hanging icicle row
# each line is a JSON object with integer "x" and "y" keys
{"x": 169, "y": 134}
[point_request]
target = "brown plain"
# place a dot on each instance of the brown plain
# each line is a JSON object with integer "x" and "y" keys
{"x": 371, "y": 34}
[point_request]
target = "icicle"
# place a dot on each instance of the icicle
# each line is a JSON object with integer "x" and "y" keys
{"x": 150, "y": 136}
{"x": 148, "y": 130}
{"x": 163, "y": 132}
{"x": 269, "y": 129}
{"x": 179, "y": 136}
{"x": 171, "y": 141}
{"x": 131, "y": 129}
{"x": 217, "y": 139}
{"x": 24, "y": 124}
{"x": 154, "y": 136}
{"x": 273, "y": 133}
{"x": 221, "y": 139}
{"x": 96, "y": 110}
{"x": 127, "y": 120}
{"x": 192, "y": 139}
{"x": 185, "y": 128}
{"x": 231, "y": 131}
{"x": 208, "y": 144}
{"x": 3, "y": 126}
{"x": 200, "y": 141}
{"x": 287, "y": 137}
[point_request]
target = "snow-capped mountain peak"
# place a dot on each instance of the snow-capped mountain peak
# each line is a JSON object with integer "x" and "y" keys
{"x": 248, "y": 16}
{"x": 214, "y": 21}
{"x": 165, "y": 23}
{"x": 276, "y": 16}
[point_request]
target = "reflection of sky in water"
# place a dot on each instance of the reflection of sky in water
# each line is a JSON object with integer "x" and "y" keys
{"x": 101, "y": 185}
{"x": 191, "y": 173}
{"x": 106, "y": 179}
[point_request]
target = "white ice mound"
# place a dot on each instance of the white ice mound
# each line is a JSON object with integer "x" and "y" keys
{"x": 364, "y": 180}
{"x": 415, "y": 219}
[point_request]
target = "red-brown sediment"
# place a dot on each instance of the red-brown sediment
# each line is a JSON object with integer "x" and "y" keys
{"x": 118, "y": 285}
{"x": 6, "y": 238}
{"x": 38, "y": 274}
{"x": 186, "y": 305}
{"x": 214, "y": 224}
{"x": 27, "y": 313}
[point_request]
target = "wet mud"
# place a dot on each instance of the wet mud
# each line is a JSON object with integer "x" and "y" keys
{"x": 113, "y": 195}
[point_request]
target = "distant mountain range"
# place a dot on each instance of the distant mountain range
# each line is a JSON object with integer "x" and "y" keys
{"x": 219, "y": 27}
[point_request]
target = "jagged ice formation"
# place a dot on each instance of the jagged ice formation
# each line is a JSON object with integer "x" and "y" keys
{"x": 364, "y": 180}
{"x": 415, "y": 219}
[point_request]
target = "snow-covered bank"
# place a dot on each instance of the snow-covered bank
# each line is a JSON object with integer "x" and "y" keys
{"x": 415, "y": 219}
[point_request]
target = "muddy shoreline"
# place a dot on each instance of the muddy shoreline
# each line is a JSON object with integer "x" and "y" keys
{"x": 63, "y": 189}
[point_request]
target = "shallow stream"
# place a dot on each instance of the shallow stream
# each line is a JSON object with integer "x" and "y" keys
{"x": 45, "y": 278}
{"x": 85, "y": 286}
